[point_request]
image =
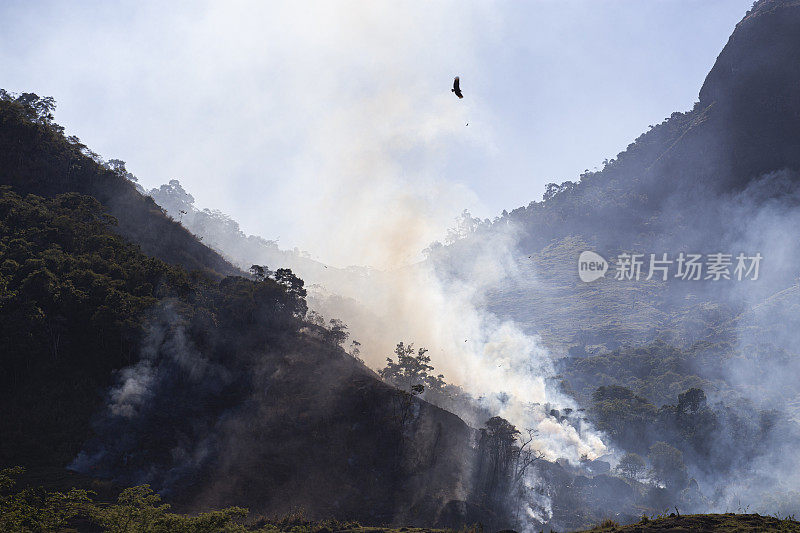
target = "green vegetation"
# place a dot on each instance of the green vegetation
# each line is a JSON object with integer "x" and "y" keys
{"x": 411, "y": 371}
{"x": 631, "y": 466}
{"x": 72, "y": 293}
{"x": 75, "y": 297}
{"x": 689, "y": 431}
{"x": 36, "y": 510}
{"x": 136, "y": 510}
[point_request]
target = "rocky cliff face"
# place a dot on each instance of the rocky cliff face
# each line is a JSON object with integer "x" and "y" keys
{"x": 754, "y": 91}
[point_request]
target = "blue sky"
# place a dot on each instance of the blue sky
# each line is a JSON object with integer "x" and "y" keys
{"x": 331, "y": 125}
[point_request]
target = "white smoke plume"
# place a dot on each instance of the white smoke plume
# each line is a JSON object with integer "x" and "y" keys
{"x": 378, "y": 170}
{"x": 442, "y": 307}
{"x": 386, "y": 215}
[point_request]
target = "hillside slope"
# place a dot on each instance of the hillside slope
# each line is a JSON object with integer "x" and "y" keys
{"x": 213, "y": 391}
{"x": 722, "y": 177}
{"x": 128, "y": 355}
{"x": 36, "y": 158}
{"x": 721, "y": 523}
{"x": 745, "y": 124}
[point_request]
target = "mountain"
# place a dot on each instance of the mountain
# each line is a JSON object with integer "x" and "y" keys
{"x": 721, "y": 178}
{"x": 753, "y": 90}
{"x": 744, "y": 126}
{"x": 133, "y": 352}
{"x": 723, "y": 175}
{"x": 220, "y": 391}
{"x": 129, "y": 354}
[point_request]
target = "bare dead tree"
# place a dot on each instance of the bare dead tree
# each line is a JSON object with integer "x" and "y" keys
{"x": 526, "y": 455}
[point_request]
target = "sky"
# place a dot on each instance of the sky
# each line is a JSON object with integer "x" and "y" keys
{"x": 330, "y": 126}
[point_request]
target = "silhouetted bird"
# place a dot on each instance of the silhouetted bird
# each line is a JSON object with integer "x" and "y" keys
{"x": 456, "y": 89}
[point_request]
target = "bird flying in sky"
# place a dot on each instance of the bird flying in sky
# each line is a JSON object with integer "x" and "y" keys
{"x": 456, "y": 89}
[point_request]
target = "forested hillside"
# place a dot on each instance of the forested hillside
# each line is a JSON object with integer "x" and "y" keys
{"x": 215, "y": 390}
{"x": 36, "y": 157}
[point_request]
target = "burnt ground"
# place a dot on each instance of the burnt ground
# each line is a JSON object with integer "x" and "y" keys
{"x": 740, "y": 523}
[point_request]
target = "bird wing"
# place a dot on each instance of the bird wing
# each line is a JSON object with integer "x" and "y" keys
{"x": 457, "y": 88}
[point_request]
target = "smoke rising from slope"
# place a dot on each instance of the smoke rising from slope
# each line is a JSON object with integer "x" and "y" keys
{"x": 389, "y": 211}
{"x": 748, "y": 352}
{"x": 766, "y": 337}
{"x": 155, "y": 389}
{"x": 387, "y": 189}
{"x": 441, "y": 305}
{"x": 437, "y": 306}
